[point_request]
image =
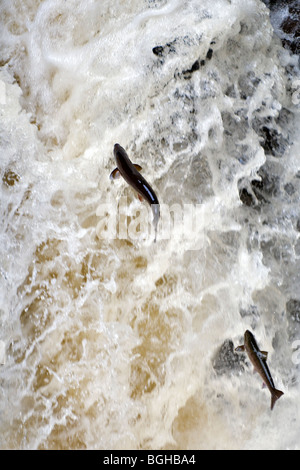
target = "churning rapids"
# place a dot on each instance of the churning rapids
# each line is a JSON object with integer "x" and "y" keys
{"x": 108, "y": 340}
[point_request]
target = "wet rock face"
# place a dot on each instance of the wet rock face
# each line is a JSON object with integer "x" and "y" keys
{"x": 285, "y": 18}
{"x": 227, "y": 360}
{"x": 293, "y": 310}
{"x": 293, "y": 317}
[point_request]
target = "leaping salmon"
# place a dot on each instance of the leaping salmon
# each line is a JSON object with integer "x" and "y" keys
{"x": 259, "y": 361}
{"x": 131, "y": 174}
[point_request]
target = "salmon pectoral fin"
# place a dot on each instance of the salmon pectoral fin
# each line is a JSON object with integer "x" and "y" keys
{"x": 115, "y": 174}
{"x": 276, "y": 394}
{"x": 140, "y": 197}
{"x": 240, "y": 348}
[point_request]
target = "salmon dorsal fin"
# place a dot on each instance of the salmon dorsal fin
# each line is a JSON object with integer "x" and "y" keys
{"x": 263, "y": 355}
{"x": 137, "y": 167}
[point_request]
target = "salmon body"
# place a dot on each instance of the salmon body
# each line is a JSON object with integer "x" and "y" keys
{"x": 259, "y": 361}
{"x": 130, "y": 173}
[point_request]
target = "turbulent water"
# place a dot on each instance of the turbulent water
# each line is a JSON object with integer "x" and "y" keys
{"x": 109, "y": 340}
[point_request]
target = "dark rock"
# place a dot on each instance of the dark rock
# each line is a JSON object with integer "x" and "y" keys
{"x": 194, "y": 68}
{"x": 293, "y": 310}
{"x": 209, "y": 54}
{"x": 273, "y": 143}
{"x": 227, "y": 360}
{"x": 158, "y": 50}
{"x": 268, "y": 186}
{"x": 162, "y": 51}
{"x": 289, "y": 27}
{"x": 246, "y": 197}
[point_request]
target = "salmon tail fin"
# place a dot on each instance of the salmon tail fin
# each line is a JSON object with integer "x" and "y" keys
{"x": 276, "y": 394}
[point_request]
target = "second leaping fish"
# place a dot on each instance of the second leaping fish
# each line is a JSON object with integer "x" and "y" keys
{"x": 259, "y": 361}
{"x": 133, "y": 177}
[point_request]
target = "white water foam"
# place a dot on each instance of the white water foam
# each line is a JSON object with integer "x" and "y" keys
{"x": 121, "y": 343}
